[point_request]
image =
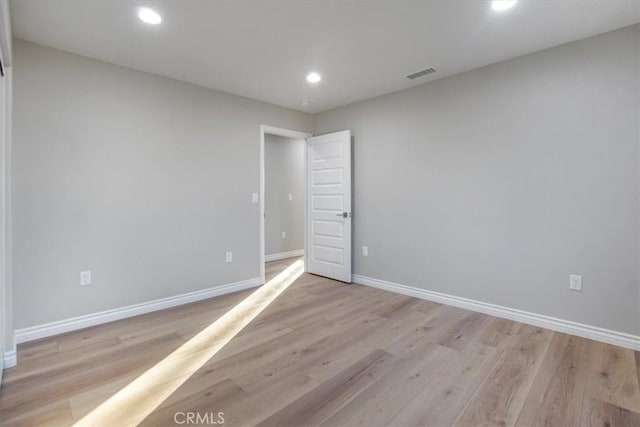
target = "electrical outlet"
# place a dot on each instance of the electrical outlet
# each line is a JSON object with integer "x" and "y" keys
{"x": 365, "y": 251}
{"x": 229, "y": 257}
{"x": 575, "y": 282}
{"x": 283, "y": 234}
{"x": 85, "y": 278}
{"x": 254, "y": 197}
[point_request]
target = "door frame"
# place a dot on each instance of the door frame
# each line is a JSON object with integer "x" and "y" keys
{"x": 287, "y": 133}
{"x": 7, "y": 338}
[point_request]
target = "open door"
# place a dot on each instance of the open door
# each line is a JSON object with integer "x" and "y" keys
{"x": 329, "y": 205}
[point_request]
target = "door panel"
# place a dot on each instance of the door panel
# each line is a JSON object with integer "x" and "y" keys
{"x": 329, "y": 205}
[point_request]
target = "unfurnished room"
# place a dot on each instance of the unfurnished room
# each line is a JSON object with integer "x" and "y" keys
{"x": 336, "y": 213}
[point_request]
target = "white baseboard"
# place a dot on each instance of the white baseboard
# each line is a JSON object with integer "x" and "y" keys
{"x": 10, "y": 359}
{"x": 573, "y": 328}
{"x": 283, "y": 255}
{"x": 54, "y": 328}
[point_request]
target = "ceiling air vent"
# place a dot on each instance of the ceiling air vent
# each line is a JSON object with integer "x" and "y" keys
{"x": 421, "y": 73}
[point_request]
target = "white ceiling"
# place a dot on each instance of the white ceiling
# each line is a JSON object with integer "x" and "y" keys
{"x": 263, "y": 49}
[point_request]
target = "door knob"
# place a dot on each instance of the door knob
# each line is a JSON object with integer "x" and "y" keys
{"x": 344, "y": 214}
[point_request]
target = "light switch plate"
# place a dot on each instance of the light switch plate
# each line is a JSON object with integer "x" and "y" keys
{"x": 365, "y": 251}
{"x": 254, "y": 197}
{"x": 85, "y": 278}
{"x": 575, "y": 282}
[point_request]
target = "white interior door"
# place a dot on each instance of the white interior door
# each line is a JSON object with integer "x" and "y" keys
{"x": 329, "y": 205}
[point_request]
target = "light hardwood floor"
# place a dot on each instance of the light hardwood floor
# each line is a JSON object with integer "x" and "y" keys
{"x": 327, "y": 353}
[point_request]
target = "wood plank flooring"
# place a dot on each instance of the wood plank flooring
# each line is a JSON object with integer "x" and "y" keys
{"x": 327, "y": 353}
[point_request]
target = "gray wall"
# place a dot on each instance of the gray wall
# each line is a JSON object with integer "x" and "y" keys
{"x": 284, "y": 174}
{"x": 144, "y": 180}
{"x": 494, "y": 185}
{"x": 499, "y": 183}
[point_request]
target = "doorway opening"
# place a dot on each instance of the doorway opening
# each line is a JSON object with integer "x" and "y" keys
{"x": 306, "y": 180}
{"x": 282, "y": 198}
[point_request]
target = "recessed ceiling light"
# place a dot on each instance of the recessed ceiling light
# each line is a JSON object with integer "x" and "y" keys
{"x": 149, "y": 16}
{"x": 305, "y": 103}
{"x": 501, "y": 5}
{"x": 314, "y": 77}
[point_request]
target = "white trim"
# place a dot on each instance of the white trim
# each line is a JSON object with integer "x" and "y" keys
{"x": 10, "y": 359}
{"x": 7, "y": 343}
{"x": 592, "y": 332}
{"x": 54, "y": 328}
{"x": 5, "y": 34}
{"x": 7, "y": 279}
{"x": 284, "y": 255}
{"x": 287, "y": 133}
